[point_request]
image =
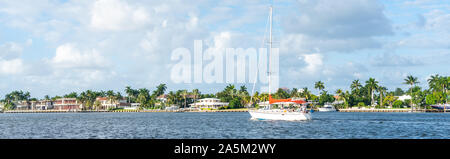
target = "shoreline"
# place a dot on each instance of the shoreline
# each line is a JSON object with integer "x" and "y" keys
{"x": 118, "y": 111}
{"x": 213, "y": 111}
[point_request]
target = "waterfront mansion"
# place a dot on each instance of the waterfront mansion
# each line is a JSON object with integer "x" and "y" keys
{"x": 208, "y": 103}
{"x": 71, "y": 104}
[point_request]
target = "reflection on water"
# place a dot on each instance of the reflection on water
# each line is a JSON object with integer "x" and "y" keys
{"x": 223, "y": 125}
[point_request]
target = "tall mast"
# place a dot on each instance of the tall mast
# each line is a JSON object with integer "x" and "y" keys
{"x": 270, "y": 46}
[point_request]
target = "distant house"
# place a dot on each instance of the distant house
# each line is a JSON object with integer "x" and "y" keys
{"x": 172, "y": 107}
{"x": 66, "y": 104}
{"x": 112, "y": 104}
{"x": 22, "y": 105}
{"x": 212, "y": 103}
{"x": 42, "y": 105}
{"x": 130, "y": 106}
{"x": 404, "y": 97}
{"x": 163, "y": 98}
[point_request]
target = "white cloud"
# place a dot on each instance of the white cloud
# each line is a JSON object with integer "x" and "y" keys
{"x": 340, "y": 19}
{"x": 10, "y": 50}
{"x": 116, "y": 15}
{"x": 335, "y": 26}
{"x": 391, "y": 59}
{"x": 314, "y": 63}
{"x": 438, "y": 20}
{"x": 68, "y": 56}
{"x": 11, "y": 67}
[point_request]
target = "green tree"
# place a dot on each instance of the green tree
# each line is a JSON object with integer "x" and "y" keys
{"x": 160, "y": 90}
{"x": 184, "y": 94}
{"x": 398, "y": 104}
{"x": 355, "y": 86}
{"x": 390, "y": 99}
{"x": 281, "y": 94}
{"x": 372, "y": 85}
{"x": 382, "y": 91}
{"x": 71, "y": 95}
{"x": 431, "y": 99}
{"x": 398, "y": 92}
{"x": 131, "y": 94}
{"x": 143, "y": 98}
{"x": 411, "y": 80}
{"x": 320, "y": 86}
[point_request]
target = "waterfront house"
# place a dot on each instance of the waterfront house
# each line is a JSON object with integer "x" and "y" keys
{"x": 404, "y": 97}
{"x": 130, "y": 106}
{"x": 22, "y": 105}
{"x": 43, "y": 105}
{"x": 162, "y": 98}
{"x": 66, "y": 104}
{"x": 112, "y": 104}
{"x": 172, "y": 108}
{"x": 212, "y": 103}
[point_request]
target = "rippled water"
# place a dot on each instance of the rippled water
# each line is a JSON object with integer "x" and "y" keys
{"x": 223, "y": 125}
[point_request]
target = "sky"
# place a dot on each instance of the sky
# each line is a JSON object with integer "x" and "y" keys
{"x": 54, "y": 47}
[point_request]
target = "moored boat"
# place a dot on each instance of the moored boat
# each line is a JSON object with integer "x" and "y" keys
{"x": 327, "y": 108}
{"x": 441, "y": 106}
{"x": 267, "y": 113}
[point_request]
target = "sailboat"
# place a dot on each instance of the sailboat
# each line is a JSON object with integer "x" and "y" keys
{"x": 267, "y": 113}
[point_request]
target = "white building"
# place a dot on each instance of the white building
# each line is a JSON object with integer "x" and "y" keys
{"x": 112, "y": 104}
{"x": 43, "y": 105}
{"x": 404, "y": 97}
{"x": 172, "y": 107}
{"x": 131, "y": 106}
{"x": 213, "y": 103}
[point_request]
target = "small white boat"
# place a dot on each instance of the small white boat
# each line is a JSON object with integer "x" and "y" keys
{"x": 327, "y": 108}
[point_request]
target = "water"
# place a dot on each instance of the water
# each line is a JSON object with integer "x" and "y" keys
{"x": 333, "y": 125}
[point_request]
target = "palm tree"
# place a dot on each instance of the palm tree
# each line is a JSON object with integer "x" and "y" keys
{"x": 294, "y": 92}
{"x": 382, "y": 91}
{"x": 171, "y": 98}
{"x": 372, "y": 84}
{"x": 433, "y": 82}
{"x": 195, "y": 93}
{"x": 160, "y": 89}
{"x": 320, "y": 86}
{"x": 143, "y": 97}
{"x": 306, "y": 93}
{"x": 346, "y": 98}
{"x": 355, "y": 85}
{"x": 231, "y": 90}
{"x": 131, "y": 93}
{"x": 184, "y": 93}
{"x": 411, "y": 80}
{"x": 264, "y": 97}
{"x": 340, "y": 95}
{"x": 255, "y": 98}
{"x": 110, "y": 95}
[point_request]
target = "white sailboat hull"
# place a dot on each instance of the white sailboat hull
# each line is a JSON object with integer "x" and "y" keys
{"x": 327, "y": 109}
{"x": 279, "y": 115}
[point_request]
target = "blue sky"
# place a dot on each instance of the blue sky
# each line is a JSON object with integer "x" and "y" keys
{"x": 56, "y": 47}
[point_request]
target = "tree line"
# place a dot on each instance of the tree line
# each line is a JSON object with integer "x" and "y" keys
{"x": 367, "y": 93}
